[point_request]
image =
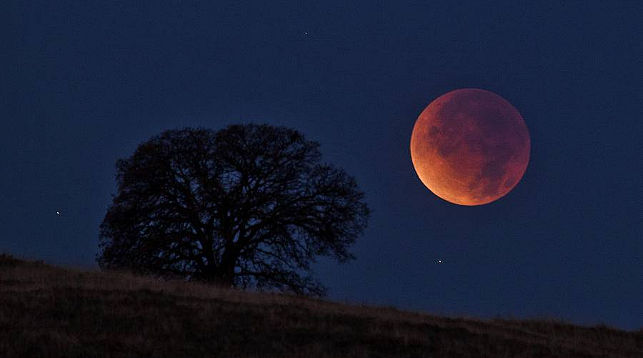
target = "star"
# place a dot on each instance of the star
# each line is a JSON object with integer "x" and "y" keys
{"x": 58, "y": 213}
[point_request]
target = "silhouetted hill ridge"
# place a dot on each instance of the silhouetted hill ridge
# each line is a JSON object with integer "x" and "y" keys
{"x": 48, "y": 311}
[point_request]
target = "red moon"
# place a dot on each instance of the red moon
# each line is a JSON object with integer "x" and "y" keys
{"x": 470, "y": 147}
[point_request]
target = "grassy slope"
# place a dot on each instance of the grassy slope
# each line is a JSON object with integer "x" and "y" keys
{"x": 53, "y": 312}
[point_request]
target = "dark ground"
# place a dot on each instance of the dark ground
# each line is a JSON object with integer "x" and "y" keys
{"x": 48, "y": 311}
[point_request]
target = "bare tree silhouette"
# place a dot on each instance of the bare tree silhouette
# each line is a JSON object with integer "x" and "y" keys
{"x": 249, "y": 205}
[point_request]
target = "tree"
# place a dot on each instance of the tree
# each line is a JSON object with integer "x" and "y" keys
{"x": 249, "y": 205}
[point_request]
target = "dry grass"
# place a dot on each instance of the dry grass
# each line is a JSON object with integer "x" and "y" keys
{"x": 53, "y": 312}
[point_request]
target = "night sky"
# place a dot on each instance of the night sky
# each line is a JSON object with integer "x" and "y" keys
{"x": 82, "y": 83}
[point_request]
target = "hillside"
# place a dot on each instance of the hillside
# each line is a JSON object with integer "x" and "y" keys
{"x": 48, "y": 311}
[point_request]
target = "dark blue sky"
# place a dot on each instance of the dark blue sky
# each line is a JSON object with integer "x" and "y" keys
{"x": 84, "y": 82}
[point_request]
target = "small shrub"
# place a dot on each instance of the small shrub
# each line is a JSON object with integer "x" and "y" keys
{"x": 8, "y": 261}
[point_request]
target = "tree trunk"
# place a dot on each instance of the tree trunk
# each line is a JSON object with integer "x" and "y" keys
{"x": 222, "y": 274}
{"x": 225, "y": 271}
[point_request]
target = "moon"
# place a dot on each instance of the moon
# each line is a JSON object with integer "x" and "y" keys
{"x": 470, "y": 147}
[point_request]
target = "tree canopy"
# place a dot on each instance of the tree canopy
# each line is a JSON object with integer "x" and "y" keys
{"x": 248, "y": 205}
